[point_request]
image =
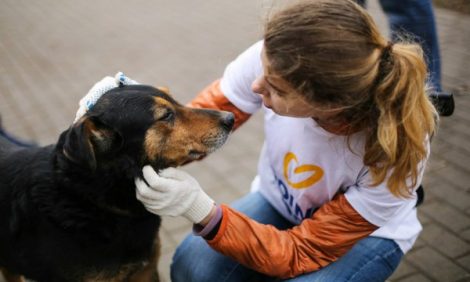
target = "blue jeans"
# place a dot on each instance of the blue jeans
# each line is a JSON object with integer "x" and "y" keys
{"x": 371, "y": 259}
{"x": 416, "y": 17}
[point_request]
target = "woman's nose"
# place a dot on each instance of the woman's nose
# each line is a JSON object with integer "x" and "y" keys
{"x": 258, "y": 86}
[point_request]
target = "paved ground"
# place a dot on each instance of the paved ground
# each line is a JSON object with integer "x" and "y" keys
{"x": 51, "y": 53}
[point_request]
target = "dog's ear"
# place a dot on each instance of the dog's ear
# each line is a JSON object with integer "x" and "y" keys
{"x": 90, "y": 139}
{"x": 164, "y": 89}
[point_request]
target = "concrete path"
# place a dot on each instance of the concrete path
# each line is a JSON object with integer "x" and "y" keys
{"x": 52, "y": 52}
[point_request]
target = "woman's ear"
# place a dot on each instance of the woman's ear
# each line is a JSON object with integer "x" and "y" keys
{"x": 88, "y": 140}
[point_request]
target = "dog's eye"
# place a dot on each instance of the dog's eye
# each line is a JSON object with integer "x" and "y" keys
{"x": 168, "y": 116}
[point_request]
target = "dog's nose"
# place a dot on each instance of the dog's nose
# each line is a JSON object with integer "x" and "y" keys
{"x": 227, "y": 121}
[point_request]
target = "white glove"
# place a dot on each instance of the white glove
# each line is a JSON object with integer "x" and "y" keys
{"x": 173, "y": 192}
{"x": 101, "y": 87}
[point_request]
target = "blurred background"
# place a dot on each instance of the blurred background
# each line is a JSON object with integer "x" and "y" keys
{"x": 52, "y": 52}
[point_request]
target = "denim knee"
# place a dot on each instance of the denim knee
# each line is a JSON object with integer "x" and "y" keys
{"x": 371, "y": 259}
{"x": 195, "y": 260}
{"x": 184, "y": 262}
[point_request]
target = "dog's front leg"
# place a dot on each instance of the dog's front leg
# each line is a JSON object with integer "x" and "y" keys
{"x": 149, "y": 272}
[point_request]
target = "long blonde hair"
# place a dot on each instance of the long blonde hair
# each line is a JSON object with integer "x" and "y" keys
{"x": 332, "y": 52}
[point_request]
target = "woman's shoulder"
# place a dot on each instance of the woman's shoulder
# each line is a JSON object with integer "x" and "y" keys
{"x": 238, "y": 77}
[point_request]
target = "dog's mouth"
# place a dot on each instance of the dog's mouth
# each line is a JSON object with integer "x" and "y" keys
{"x": 188, "y": 151}
{"x": 196, "y": 155}
{"x": 210, "y": 145}
{"x": 193, "y": 155}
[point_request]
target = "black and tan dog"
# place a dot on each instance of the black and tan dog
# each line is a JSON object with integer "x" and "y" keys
{"x": 68, "y": 212}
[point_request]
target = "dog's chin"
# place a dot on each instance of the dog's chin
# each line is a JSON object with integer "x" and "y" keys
{"x": 193, "y": 156}
{"x": 190, "y": 157}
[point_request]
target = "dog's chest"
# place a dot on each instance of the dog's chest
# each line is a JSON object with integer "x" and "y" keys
{"x": 124, "y": 273}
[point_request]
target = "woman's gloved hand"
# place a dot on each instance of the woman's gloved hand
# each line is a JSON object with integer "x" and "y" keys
{"x": 101, "y": 87}
{"x": 173, "y": 192}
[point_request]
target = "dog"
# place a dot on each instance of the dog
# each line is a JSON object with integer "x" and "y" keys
{"x": 69, "y": 211}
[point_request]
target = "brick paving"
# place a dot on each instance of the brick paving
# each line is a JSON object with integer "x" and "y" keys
{"x": 51, "y": 53}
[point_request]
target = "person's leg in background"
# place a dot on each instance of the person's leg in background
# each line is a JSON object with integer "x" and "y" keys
{"x": 416, "y": 17}
{"x": 363, "y": 3}
{"x": 10, "y": 140}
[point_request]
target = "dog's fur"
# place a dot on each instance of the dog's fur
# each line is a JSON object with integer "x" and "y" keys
{"x": 69, "y": 212}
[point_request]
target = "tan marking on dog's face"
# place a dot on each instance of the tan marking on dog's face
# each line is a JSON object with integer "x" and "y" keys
{"x": 189, "y": 135}
{"x": 164, "y": 89}
{"x": 162, "y": 107}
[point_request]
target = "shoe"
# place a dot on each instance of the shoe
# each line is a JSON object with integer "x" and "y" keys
{"x": 420, "y": 194}
{"x": 444, "y": 103}
{"x": 13, "y": 140}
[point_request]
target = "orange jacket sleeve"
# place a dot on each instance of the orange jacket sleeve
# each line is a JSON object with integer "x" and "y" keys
{"x": 212, "y": 97}
{"x": 313, "y": 244}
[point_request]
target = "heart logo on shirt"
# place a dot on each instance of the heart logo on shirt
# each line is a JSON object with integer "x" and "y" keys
{"x": 314, "y": 177}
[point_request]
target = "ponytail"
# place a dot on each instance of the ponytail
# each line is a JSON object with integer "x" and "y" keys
{"x": 406, "y": 119}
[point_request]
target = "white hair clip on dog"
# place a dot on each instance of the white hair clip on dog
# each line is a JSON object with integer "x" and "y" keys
{"x": 101, "y": 87}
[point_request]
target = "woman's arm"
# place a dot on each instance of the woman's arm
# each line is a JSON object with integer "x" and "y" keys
{"x": 313, "y": 244}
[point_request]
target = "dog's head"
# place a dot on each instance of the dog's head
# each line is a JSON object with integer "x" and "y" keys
{"x": 143, "y": 125}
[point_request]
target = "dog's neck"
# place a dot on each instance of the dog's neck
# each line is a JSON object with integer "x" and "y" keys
{"x": 109, "y": 188}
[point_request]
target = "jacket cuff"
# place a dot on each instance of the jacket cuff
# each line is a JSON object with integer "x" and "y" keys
{"x": 203, "y": 231}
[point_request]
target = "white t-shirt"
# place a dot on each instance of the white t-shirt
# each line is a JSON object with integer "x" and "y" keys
{"x": 302, "y": 166}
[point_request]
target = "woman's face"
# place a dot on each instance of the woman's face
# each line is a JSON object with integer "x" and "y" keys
{"x": 282, "y": 99}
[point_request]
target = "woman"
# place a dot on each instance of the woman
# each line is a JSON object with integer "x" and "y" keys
{"x": 347, "y": 125}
